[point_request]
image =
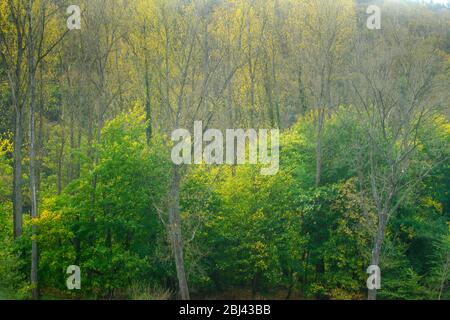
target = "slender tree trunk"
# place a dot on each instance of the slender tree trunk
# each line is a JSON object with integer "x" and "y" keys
{"x": 34, "y": 209}
{"x": 376, "y": 251}
{"x": 255, "y": 283}
{"x": 301, "y": 92}
{"x": 291, "y": 284}
{"x": 61, "y": 160}
{"x": 148, "y": 106}
{"x": 18, "y": 137}
{"x": 17, "y": 183}
{"x": 78, "y": 163}
{"x": 319, "y": 151}
{"x": 40, "y": 130}
{"x": 305, "y": 272}
{"x": 175, "y": 232}
{"x": 148, "y": 109}
{"x": 252, "y": 75}
{"x": 444, "y": 276}
{"x": 268, "y": 89}
{"x": 72, "y": 144}
{"x": 275, "y": 88}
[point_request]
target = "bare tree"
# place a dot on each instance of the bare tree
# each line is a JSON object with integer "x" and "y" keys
{"x": 393, "y": 82}
{"x": 329, "y": 26}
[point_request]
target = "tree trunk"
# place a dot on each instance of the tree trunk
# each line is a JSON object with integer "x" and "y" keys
{"x": 34, "y": 209}
{"x": 148, "y": 109}
{"x": 302, "y": 105}
{"x": 255, "y": 282}
{"x": 59, "y": 182}
{"x": 17, "y": 183}
{"x": 40, "y": 130}
{"x": 376, "y": 252}
{"x": 319, "y": 151}
{"x": 175, "y": 232}
{"x": 444, "y": 276}
{"x": 18, "y": 138}
{"x": 148, "y": 106}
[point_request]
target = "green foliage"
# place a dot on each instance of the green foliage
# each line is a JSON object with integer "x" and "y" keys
{"x": 336, "y": 256}
{"x": 106, "y": 221}
{"x": 439, "y": 275}
{"x": 241, "y": 229}
{"x": 11, "y": 258}
{"x": 399, "y": 281}
{"x": 250, "y": 235}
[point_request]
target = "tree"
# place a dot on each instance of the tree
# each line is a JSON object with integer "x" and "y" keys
{"x": 32, "y": 135}
{"x": 394, "y": 85}
{"x": 329, "y": 25}
{"x": 13, "y": 46}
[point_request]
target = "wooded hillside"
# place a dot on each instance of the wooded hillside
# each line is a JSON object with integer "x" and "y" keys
{"x": 86, "y": 176}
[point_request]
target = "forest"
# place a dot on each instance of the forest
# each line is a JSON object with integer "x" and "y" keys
{"x": 91, "y": 92}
